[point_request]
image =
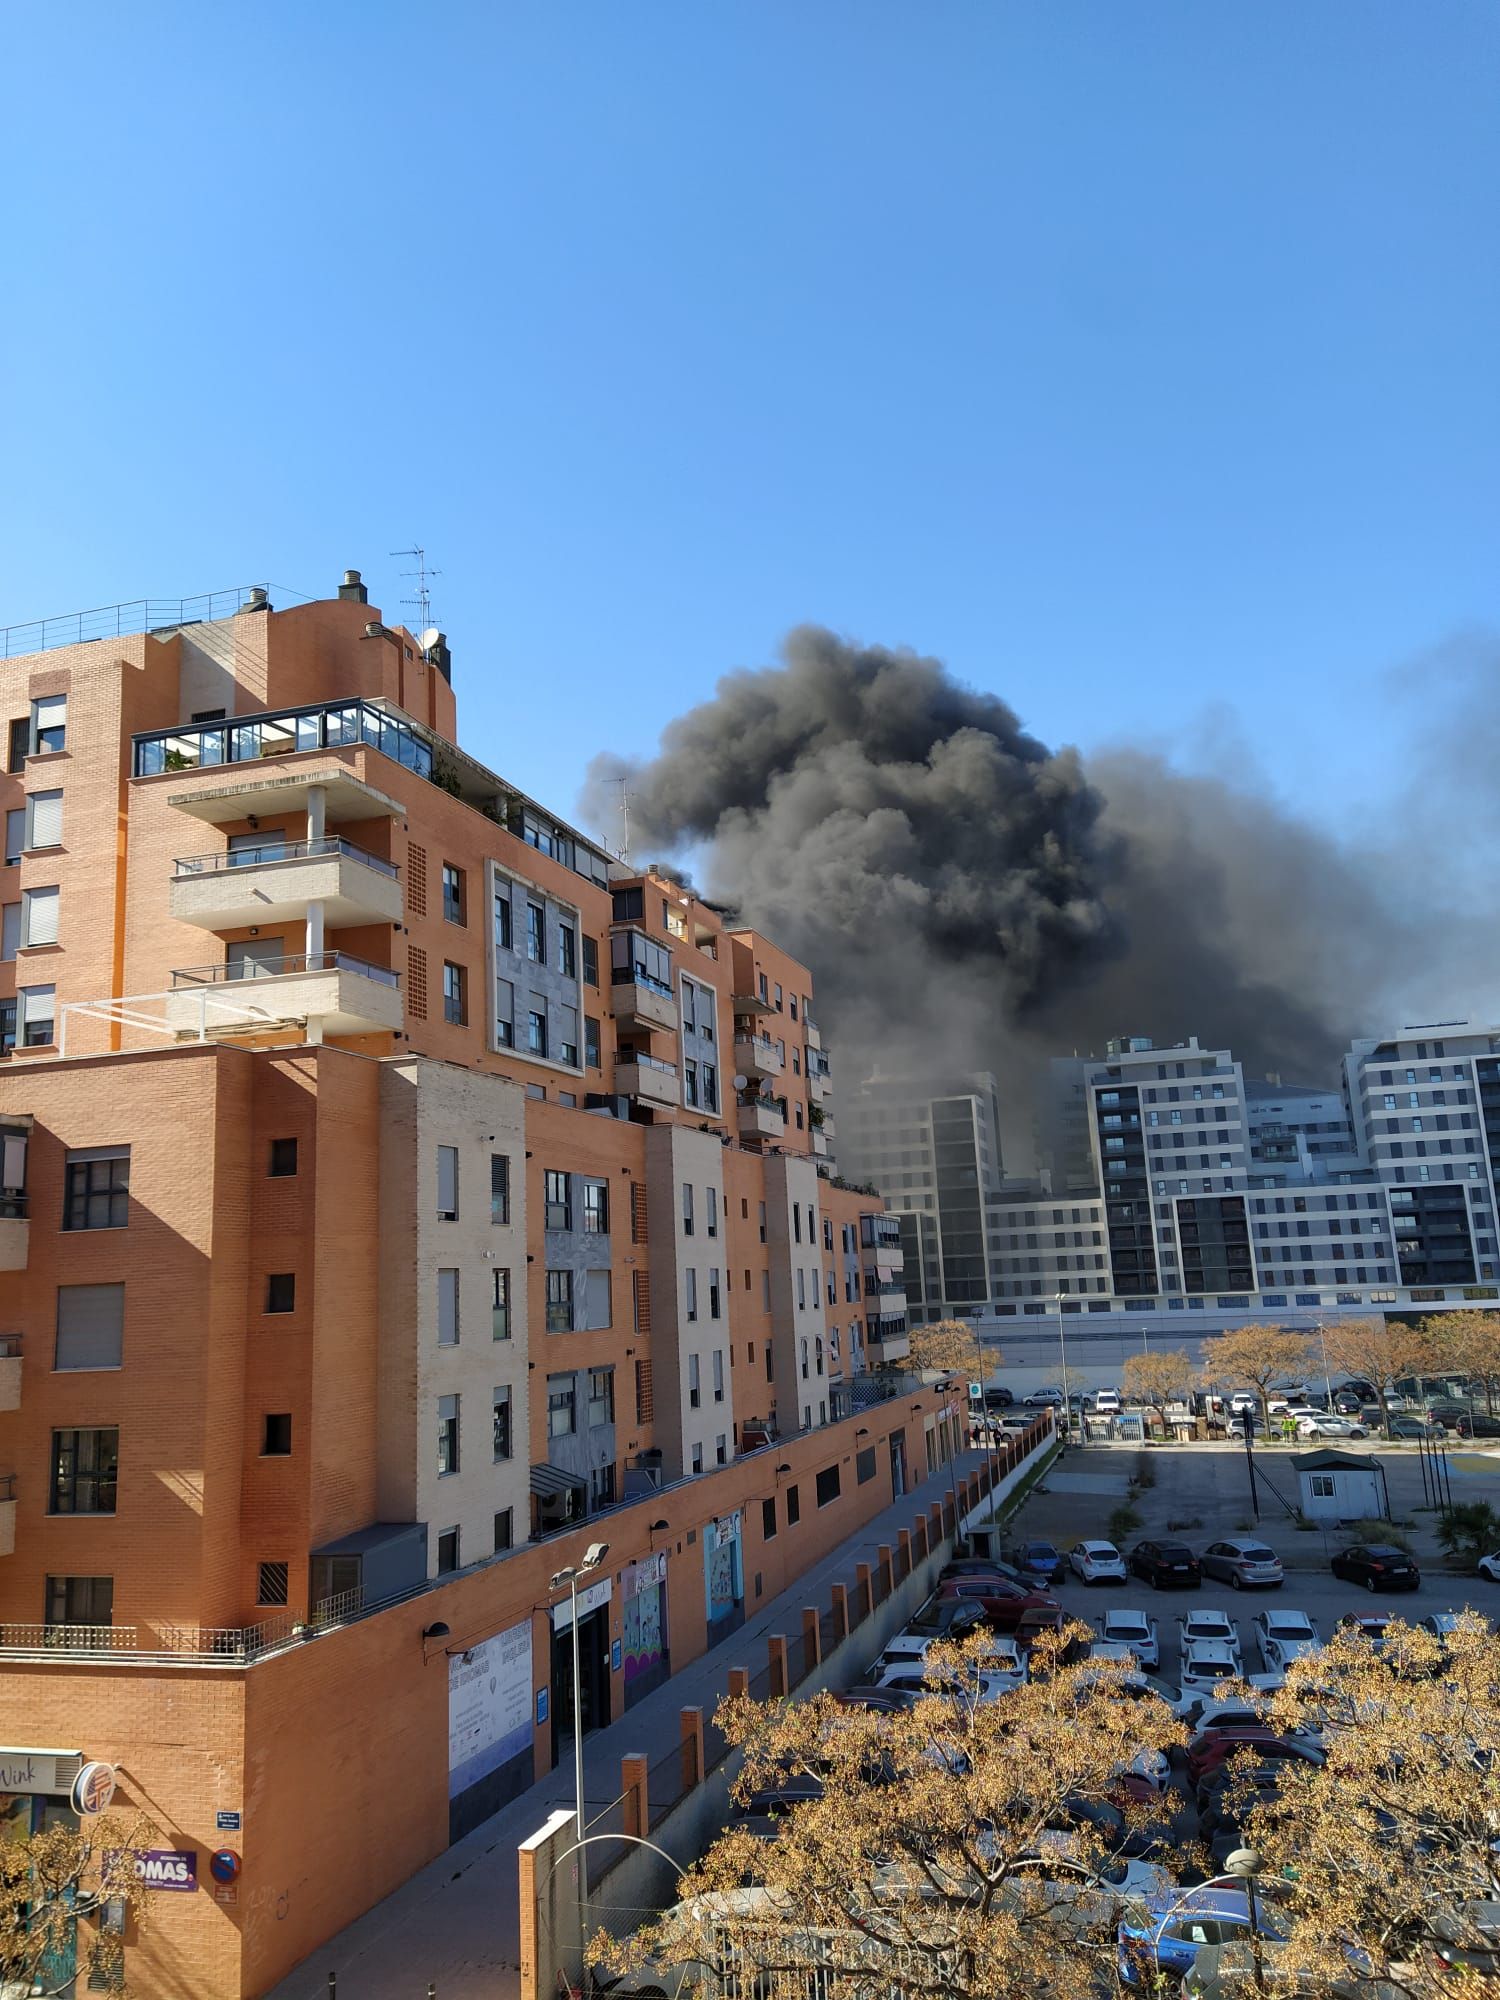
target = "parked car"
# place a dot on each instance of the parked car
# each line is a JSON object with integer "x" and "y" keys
{"x": 1206, "y": 1664}
{"x": 1260, "y": 1750}
{"x": 1490, "y": 1566}
{"x": 1016, "y": 1421}
{"x": 997, "y": 1396}
{"x": 1242, "y": 1562}
{"x": 1369, "y": 1625}
{"x": 1440, "y": 1624}
{"x": 1414, "y": 1428}
{"x": 1161, "y": 1937}
{"x": 979, "y": 1566}
{"x": 1133, "y": 1630}
{"x": 1465, "y": 1422}
{"x": 988, "y": 1684}
{"x": 1039, "y": 1562}
{"x": 1163, "y": 1563}
{"x": 1314, "y": 1424}
{"x": 1097, "y": 1562}
{"x": 1107, "y": 1403}
{"x": 1207, "y": 1623}
{"x": 882, "y": 1700}
{"x": 909, "y": 1649}
{"x": 1000, "y": 1602}
{"x": 1378, "y": 1566}
{"x": 946, "y": 1618}
{"x": 1044, "y": 1399}
{"x": 1282, "y": 1636}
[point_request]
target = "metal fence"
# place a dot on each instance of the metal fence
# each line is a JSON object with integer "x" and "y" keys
{"x": 117, "y": 621}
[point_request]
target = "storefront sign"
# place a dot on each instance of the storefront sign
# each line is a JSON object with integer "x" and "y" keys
{"x": 489, "y": 1706}
{"x": 37, "y": 1770}
{"x": 588, "y": 1600}
{"x": 174, "y": 1868}
{"x": 93, "y": 1789}
{"x": 614, "y": 1657}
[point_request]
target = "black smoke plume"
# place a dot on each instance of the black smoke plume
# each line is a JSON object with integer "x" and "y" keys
{"x": 966, "y": 897}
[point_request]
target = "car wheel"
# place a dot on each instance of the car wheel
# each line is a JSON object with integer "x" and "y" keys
{"x": 1156, "y": 1582}
{"x": 1370, "y": 1585}
{"x": 1236, "y": 1581}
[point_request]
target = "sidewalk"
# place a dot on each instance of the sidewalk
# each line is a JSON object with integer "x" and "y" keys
{"x": 456, "y": 1924}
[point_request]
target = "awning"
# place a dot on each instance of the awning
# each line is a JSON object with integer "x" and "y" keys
{"x": 547, "y": 1481}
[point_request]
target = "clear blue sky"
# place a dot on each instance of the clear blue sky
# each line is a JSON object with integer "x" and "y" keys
{"x": 1133, "y": 358}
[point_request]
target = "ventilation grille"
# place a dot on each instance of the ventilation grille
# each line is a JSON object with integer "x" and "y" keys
{"x": 642, "y": 1288}
{"x": 416, "y": 881}
{"x": 637, "y": 1211}
{"x": 645, "y": 1400}
{"x": 416, "y": 982}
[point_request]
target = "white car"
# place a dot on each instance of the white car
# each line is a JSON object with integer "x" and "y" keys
{"x": 1209, "y": 1625}
{"x": 909, "y": 1677}
{"x": 1097, "y": 1562}
{"x": 907, "y": 1651}
{"x": 1133, "y": 1631}
{"x": 1490, "y": 1566}
{"x": 1206, "y": 1665}
{"x": 1107, "y": 1403}
{"x": 1284, "y": 1635}
{"x": 1315, "y": 1424}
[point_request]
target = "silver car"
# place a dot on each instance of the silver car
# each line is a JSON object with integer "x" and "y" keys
{"x": 1242, "y": 1562}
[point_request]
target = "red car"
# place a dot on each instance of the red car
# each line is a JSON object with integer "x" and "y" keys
{"x": 1212, "y": 1747}
{"x": 1002, "y": 1604}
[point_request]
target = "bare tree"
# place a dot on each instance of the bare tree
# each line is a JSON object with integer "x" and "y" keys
{"x": 1257, "y": 1357}
{"x": 59, "y": 1890}
{"x": 1378, "y": 1350}
{"x": 1158, "y": 1379}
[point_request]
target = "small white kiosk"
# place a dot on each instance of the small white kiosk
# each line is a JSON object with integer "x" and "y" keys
{"x": 1341, "y": 1486}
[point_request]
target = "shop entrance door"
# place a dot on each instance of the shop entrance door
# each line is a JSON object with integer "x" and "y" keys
{"x": 593, "y": 1668}
{"x": 898, "y": 1463}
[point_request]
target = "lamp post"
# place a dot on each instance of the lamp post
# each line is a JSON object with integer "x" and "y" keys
{"x": 593, "y": 1556}
{"x": 1244, "y": 1863}
{"x": 1327, "y": 1378}
{"x": 1062, "y": 1349}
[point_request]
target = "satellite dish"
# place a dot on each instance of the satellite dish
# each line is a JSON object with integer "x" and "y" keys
{"x": 430, "y": 638}
{"x": 740, "y": 1082}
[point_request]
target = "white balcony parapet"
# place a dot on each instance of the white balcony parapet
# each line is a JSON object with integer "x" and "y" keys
{"x": 276, "y": 882}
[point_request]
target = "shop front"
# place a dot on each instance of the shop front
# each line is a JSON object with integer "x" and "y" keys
{"x": 643, "y": 1622}
{"x": 724, "y": 1576}
{"x": 593, "y": 1665}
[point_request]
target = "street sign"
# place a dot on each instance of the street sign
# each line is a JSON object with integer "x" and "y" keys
{"x": 223, "y": 1864}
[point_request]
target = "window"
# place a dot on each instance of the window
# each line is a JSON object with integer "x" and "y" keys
{"x": 499, "y": 1187}
{"x": 691, "y": 1279}
{"x": 20, "y": 742}
{"x": 536, "y": 1033}
{"x": 768, "y": 1519}
{"x": 90, "y": 1326}
{"x": 721, "y": 1448}
{"x": 447, "y": 1438}
{"x": 637, "y": 960}
{"x": 455, "y": 995}
{"x": 601, "y": 1397}
{"x": 762, "y": 1222}
{"x": 828, "y": 1485}
{"x": 80, "y": 1600}
{"x": 85, "y": 1465}
{"x": 505, "y": 1014}
{"x": 97, "y": 1188}
{"x": 864, "y": 1467}
{"x": 598, "y": 1300}
{"x": 504, "y": 1530}
{"x": 500, "y": 1306}
{"x": 567, "y": 1035}
{"x": 718, "y": 1359}
{"x": 49, "y": 724}
{"x": 44, "y": 819}
{"x": 687, "y": 1208}
{"x": 559, "y": 1201}
{"x": 454, "y": 900}
{"x": 502, "y": 922}
{"x": 502, "y": 1424}
{"x": 283, "y": 1161}
{"x": 559, "y": 1302}
{"x": 15, "y": 835}
{"x": 536, "y": 934}
{"x": 708, "y": 1083}
{"x": 713, "y": 1211}
{"x": 713, "y": 1295}
{"x": 561, "y": 1408}
{"x": 38, "y": 1006}
{"x": 697, "y": 1458}
{"x": 8, "y": 1020}
{"x": 447, "y": 1307}
{"x": 276, "y": 1441}
{"x": 590, "y": 962}
{"x": 689, "y": 1081}
{"x": 1321, "y": 1486}
{"x": 567, "y": 951}
{"x": 271, "y": 1583}
{"x": 591, "y": 1056}
{"x": 793, "y": 1507}
{"x": 447, "y": 1183}
{"x": 281, "y": 1292}
{"x": 695, "y": 1386}
{"x": 596, "y": 1207}
{"x": 10, "y": 932}
{"x": 447, "y": 1552}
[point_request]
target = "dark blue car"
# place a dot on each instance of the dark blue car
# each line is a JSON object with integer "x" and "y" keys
{"x": 1164, "y": 1933}
{"x": 1039, "y": 1560}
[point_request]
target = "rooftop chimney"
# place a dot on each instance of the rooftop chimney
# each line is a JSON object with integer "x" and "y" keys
{"x": 258, "y": 600}
{"x": 435, "y": 645}
{"x": 351, "y": 590}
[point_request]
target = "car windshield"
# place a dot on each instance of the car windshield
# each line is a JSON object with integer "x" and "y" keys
{"x": 1254, "y": 1553}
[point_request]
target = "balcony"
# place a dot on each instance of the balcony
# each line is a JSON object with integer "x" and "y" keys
{"x": 810, "y": 1032}
{"x": 818, "y": 1086}
{"x": 819, "y": 1144}
{"x": 344, "y": 995}
{"x": 14, "y": 1234}
{"x": 647, "y": 1081}
{"x": 10, "y": 1371}
{"x": 757, "y": 1055}
{"x": 274, "y": 884}
{"x": 639, "y": 1004}
{"x": 7, "y": 1514}
{"x": 762, "y": 1117}
{"x": 751, "y": 1003}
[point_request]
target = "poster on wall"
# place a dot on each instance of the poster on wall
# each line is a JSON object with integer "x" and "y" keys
{"x": 723, "y": 1569}
{"x": 489, "y": 1706}
{"x": 643, "y": 1595}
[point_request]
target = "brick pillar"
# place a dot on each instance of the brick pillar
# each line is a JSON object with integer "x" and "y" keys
{"x": 903, "y": 1552}
{"x": 690, "y": 1723}
{"x": 812, "y": 1639}
{"x": 887, "y": 1574}
{"x": 934, "y": 1525}
{"x": 776, "y": 1647}
{"x": 739, "y": 1681}
{"x": 919, "y": 1537}
{"x": 840, "y": 1612}
{"x": 637, "y": 1803}
{"x": 863, "y": 1595}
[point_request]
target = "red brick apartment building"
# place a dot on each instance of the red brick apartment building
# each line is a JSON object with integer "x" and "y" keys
{"x": 393, "y": 1184}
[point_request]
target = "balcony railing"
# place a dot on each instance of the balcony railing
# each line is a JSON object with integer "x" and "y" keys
{"x": 115, "y": 621}
{"x": 649, "y": 1062}
{"x": 12, "y": 1205}
{"x": 282, "y": 734}
{"x": 288, "y": 965}
{"x": 7, "y": 1486}
{"x": 10, "y": 1346}
{"x": 284, "y": 850}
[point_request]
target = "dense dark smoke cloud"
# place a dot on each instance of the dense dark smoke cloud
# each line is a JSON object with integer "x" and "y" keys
{"x": 967, "y": 897}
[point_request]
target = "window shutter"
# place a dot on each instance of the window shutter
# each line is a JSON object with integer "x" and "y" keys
{"x": 90, "y": 1326}
{"x": 51, "y": 712}
{"x": 45, "y": 810}
{"x": 10, "y": 932}
{"x": 447, "y": 1161}
{"x": 41, "y": 916}
{"x": 597, "y": 1297}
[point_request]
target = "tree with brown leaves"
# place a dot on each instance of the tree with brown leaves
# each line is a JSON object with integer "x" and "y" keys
{"x": 967, "y": 1848}
{"x": 1257, "y": 1357}
{"x": 1379, "y": 1350}
{"x": 1467, "y": 1343}
{"x": 60, "y": 1890}
{"x": 1158, "y": 1379}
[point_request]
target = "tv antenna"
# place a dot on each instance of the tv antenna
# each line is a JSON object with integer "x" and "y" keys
{"x": 624, "y": 784}
{"x": 422, "y": 602}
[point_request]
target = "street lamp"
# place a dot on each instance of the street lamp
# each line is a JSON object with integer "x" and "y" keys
{"x": 593, "y": 1556}
{"x": 1244, "y": 1863}
{"x": 1062, "y": 1349}
{"x": 1327, "y": 1378}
